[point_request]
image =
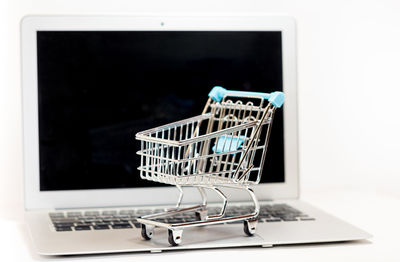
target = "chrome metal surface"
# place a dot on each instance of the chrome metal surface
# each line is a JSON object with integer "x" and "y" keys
{"x": 225, "y": 146}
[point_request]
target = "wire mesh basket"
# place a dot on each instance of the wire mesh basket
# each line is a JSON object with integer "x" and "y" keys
{"x": 225, "y": 146}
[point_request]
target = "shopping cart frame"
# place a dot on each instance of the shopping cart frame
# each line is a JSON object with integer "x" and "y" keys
{"x": 237, "y": 179}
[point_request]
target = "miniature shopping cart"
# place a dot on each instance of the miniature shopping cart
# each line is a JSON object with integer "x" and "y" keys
{"x": 225, "y": 146}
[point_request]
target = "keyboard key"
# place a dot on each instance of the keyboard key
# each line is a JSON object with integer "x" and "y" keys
{"x": 109, "y": 221}
{"x": 66, "y": 220}
{"x": 101, "y": 227}
{"x": 56, "y": 215}
{"x": 83, "y": 227}
{"x": 83, "y": 223}
{"x": 74, "y": 214}
{"x": 121, "y": 225}
{"x": 109, "y": 212}
{"x": 142, "y": 212}
{"x": 63, "y": 224}
{"x": 272, "y": 220}
{"x": 307, "y": 218}
{"x": 301, "y": 215}
{"x": 289, "y": 219}
{"x": 92, "y": 213}
{"x": 63, "y": 228}
{"x": 127, "y": 212}
{"x": 88, "y": 220}
{"x": 175, "y": 219}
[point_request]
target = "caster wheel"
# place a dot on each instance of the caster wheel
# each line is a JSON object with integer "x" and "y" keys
{"x": 147, "y": 232}
{"x": 249, "y": 227}
{"x": 174, "y": 237}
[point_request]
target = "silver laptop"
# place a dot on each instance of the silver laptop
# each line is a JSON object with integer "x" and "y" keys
{"x": 90, "y": 83}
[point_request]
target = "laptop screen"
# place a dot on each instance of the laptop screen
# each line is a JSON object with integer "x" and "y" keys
{"x": 97, "y": 89}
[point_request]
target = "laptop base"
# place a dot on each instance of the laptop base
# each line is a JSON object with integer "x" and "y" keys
{"x": 324, "y": 228}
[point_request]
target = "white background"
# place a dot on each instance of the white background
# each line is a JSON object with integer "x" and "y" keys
{"x": 348, "y": 82}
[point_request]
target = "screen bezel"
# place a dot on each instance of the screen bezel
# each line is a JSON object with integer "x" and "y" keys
{"x": 34, "y": 198}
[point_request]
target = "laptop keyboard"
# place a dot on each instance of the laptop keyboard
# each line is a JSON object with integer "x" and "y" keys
{"x": 124, "y": 219}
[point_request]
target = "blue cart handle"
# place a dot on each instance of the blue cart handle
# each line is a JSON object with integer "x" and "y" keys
{"x": 275, "y": 98}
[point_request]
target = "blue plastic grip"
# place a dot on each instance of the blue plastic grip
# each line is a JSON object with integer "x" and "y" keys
{"x": 228, "y": 144}
{"x": 275, "y": 98}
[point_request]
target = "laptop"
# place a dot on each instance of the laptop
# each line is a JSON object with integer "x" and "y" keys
{"x": 90, "y": 83}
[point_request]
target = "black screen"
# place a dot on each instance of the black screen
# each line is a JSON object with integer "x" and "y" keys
{"x": 97, "y": 89}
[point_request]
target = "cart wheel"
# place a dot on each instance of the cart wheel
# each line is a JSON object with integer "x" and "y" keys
{"x": 147, "y": 232}
{"x": 174, "y": 237}
{"x": 249, "y": 227}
